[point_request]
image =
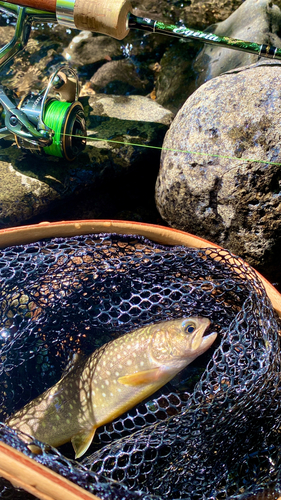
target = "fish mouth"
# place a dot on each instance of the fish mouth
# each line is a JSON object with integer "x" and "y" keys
{"x": 199, "y": 341}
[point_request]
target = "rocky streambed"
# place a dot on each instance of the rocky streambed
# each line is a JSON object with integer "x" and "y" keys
{"x": 214, "y": 111}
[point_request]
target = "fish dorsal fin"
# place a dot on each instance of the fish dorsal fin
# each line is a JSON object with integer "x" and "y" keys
{"x": 140, "y": 378}
{"x": 82, "y": 441}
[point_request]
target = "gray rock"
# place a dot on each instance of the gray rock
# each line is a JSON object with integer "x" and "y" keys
{"x": 30, "y": 69}
{"x": 201, "y": 13}
{"x": 21, "y": 196}
{"x": 254, "y": 21}
{"x": 102, "y": 177}
{"x": 176, "y": 78}
{"x": 230, "y": 191}
{"x": 88, "y": 48}
{"x": 128, "y": 108}
{"x": 179, "y": 76}
{"x": 122, "y": 73}
{"x": 195, "y": 13}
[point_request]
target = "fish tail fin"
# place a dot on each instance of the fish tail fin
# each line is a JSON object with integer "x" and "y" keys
{"x": 82, "y": 441}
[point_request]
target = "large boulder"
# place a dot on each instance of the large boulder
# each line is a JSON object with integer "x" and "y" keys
{"x": 220, "y": 175}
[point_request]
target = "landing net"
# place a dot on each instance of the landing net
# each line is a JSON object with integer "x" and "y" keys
{"x": 212, "y": 433}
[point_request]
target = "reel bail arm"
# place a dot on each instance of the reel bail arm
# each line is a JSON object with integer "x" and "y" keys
{"x": 16, "y": 123}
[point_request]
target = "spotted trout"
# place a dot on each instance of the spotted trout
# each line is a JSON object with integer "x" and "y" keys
{"x": 111, "y": 381}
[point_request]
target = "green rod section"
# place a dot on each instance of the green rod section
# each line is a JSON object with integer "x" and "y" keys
{"x": 152, "y": 26}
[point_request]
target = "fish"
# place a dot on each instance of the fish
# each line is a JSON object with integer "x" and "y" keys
{"x": 109, "y": 382}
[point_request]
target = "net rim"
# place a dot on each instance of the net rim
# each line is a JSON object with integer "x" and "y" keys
{"x": 19, "y": 235}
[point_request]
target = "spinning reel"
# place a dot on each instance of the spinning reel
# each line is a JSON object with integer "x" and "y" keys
{"x": 51, "y": 121}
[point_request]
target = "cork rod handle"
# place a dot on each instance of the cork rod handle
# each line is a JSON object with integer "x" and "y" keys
{"x": 108, "y": 17}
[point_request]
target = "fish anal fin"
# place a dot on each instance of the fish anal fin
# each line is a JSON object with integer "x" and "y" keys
{"x": 141, "y": 378}
{"x": 82, "y": 441}
{"x": 35, "y": 449}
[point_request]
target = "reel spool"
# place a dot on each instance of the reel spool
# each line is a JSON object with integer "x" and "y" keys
{"x": 65, "y": 119}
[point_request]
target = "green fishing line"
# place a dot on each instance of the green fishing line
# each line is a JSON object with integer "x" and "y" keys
{"x": 253, "y": 160}
{"x": 54, "y": 118}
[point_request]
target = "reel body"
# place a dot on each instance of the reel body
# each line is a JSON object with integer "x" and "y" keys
{"x": 49, "y": 122}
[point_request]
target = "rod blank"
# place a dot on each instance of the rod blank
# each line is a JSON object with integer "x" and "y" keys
{"x": 113, "y": 18}
{"x": 47, "y": 5}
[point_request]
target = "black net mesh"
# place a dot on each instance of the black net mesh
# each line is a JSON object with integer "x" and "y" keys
{"x": 213, "y": 431}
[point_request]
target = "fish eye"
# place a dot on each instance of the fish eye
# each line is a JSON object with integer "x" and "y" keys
{"x": 190, "y": 327}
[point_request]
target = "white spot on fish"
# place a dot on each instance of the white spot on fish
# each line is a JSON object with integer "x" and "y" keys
{"x": 117, "y": 374}
{"x": 107, "y": 382}
{"x": 104, "y": 395}
{"x": 129, "y": 362}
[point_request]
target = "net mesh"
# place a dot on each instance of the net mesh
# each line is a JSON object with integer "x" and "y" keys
{"x": 213, "y": 431}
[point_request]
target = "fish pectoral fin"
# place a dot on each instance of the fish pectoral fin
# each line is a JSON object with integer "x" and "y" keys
{"x": 82, "y": 441}
{"x": 139, "y": 378}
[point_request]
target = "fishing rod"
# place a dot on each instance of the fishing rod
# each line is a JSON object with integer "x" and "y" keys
{"x": 52, "y": 121}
